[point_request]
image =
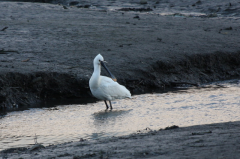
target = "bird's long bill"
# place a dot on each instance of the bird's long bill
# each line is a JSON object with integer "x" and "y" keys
{"x": 111, "y": 75}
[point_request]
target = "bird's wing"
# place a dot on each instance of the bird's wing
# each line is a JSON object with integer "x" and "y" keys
{"x": 113, "y": 90}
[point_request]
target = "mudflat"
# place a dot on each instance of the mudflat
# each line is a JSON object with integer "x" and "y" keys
{"x": 205, "y": 141}
{"x": 47, "y": 50}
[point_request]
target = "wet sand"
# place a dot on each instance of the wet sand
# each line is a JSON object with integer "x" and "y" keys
{"x": 205, "y": 141}
{"x": 47, "y": 50}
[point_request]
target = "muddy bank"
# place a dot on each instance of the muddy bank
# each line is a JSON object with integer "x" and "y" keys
{"x": 22, "y": 90}
{"x": 47, "y": 50}
{"x": 202, "y": 8}
{"x": 205, "y": 141}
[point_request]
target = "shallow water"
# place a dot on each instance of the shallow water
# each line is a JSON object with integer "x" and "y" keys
{"x": 213, "y": 103}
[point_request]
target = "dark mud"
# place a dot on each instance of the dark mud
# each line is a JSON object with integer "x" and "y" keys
{"x": 212, "y": 8}
{"x": 47, "y": 49}
{"x": 202, "y": 141}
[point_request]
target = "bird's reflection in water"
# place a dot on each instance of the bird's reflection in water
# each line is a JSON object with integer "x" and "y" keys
{"x": 109, "y": 114}
{"x": 106, "y": 120}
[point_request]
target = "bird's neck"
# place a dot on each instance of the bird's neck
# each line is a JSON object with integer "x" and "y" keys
{"x": 95, "y": 79}
{"x": 97, "y": 69}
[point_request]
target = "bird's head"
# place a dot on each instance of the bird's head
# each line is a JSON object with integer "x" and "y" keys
{"x": 99, "y": 61}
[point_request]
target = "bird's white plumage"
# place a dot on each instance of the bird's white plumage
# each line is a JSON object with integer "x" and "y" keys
{"x": 104, "y": 88}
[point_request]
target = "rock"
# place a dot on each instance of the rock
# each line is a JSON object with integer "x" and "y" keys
{"x": 84, "y": 6}
{"x": 136, "y": 9}
{"x": 212, "y": 15}
{"x": 229, "y": 28}
{"x": 36, "y": 147}
{"x": 136, "y": 17}
{"x": 171, "y": 127}
{"x": 73, "y": 3}
{"x": 4, "y": 28}
{"x": 143, "y": 2}
{"x": 201, "y": 133}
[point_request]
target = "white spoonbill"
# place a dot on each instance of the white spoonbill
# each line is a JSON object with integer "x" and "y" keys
{"x": 105, "y": 88}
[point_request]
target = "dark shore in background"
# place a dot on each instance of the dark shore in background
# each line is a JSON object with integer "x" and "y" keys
{"x": 47, "y": 50}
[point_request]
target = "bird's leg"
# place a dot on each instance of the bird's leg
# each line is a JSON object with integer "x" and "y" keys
{"x": 110, "y": 105}
{"x": 106, "y": 104}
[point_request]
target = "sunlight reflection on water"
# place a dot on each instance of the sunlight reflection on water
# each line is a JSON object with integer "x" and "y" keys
{"x": 194, "y": 106}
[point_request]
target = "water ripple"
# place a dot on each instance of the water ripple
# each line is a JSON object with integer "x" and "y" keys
{"x": 210, "y": 104}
